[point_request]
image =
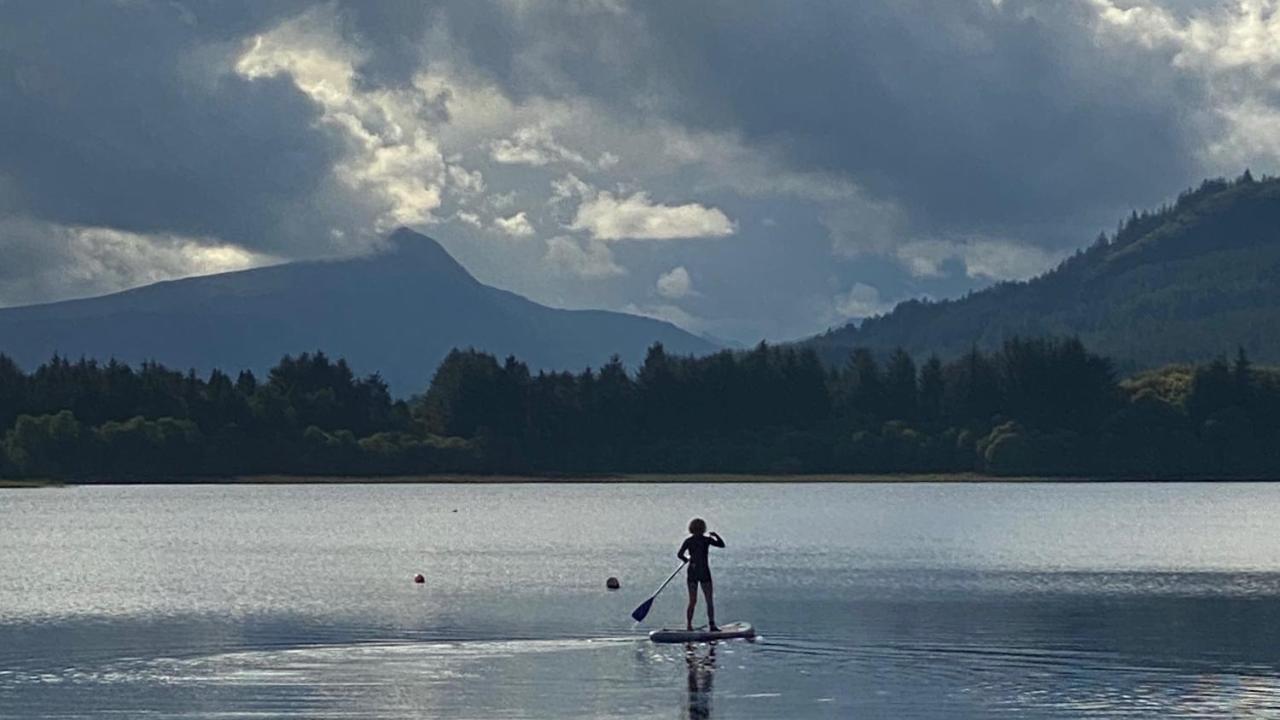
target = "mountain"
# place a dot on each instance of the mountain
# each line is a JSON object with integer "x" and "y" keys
{"x": 1188, "y": 282}
{"x": 396, "y": 313}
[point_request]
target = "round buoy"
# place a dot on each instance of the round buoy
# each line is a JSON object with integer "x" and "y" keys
{"x": 612, "y": 583}
{"x": 419, "y": 579}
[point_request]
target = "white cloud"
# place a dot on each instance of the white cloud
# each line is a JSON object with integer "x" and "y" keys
{"x": 532, "y": 146}
{"x": 675, "y": 283}
{"x": 468, "y": 218}
{"x": 860, "y": 301}
{"x": 62, "y": 261}
{"x": 536, "y": 145}
{"x": 135, "y": 257}
{"x": 1254, "y": 135}
{"x": 502, "y": 201}
{"x": 982, "y": 258}
{"x": 466, "y": 181}
{"x": 1006, "y": 260}
{"x": 584, "y": 7}
{"x": 408, "y": 176}
{"x": 1235, "y": 50}
{"x": 727, "y": 161}
{"x": 392, "y": 155}
{"x": 535, "y": 130}
{"x": 673, "y": 314}
{"x": 517, "y": 225}
{"x": 862, "y": 225}
{"x": 591, "y": 259}
{"x": 570, "y": 187}
{"x": 607, "y": 217}
{"x": 1239, "y": 35}
{"x": 866, "y": 226}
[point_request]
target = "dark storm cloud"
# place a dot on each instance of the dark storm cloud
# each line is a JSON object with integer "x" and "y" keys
{"x": 113, "y": 114}
{"x": 529, "y": 47}
{"x": 972, "y": 115}
{"x": 975, "y": 116}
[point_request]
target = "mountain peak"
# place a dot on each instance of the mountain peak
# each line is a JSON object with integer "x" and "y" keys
{"x": 404, "y": 240}
{"x": 398, "y": 312}
{"x": 416, "y": 251}
{"x": 404, "y": 235}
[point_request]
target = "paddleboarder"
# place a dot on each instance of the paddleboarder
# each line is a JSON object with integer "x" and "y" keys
{"x": 694, "y": 552}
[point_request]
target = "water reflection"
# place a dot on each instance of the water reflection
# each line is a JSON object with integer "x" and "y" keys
{"x": 1035, "y": 602}
{"x": 702, "y": 668}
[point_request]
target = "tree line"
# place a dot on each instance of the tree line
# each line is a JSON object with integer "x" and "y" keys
{"x": 308, "y": 415}
{"x": 1044, "y": 406}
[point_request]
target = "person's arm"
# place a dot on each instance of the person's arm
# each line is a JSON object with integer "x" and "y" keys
{"x": 715, "y": 539}
{"x": 682, "y": 553}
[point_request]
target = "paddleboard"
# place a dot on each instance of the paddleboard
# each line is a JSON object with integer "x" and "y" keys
{"x": 726, "y": 632}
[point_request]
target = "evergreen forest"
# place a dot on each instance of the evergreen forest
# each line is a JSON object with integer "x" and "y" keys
{"x": 1038, "y": 406}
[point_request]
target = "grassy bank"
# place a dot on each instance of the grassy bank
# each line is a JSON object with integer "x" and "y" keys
{"x": 652, "y": 478}
{"x": 627, "y": 478}
{"x": 9, "y": 483}
{"x": 601, "y": 479}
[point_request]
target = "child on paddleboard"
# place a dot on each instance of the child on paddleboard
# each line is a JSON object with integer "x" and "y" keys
{"x": 694, "y": 552}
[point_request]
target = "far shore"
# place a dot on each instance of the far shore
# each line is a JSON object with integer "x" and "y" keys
{"x": 603, "y": 479}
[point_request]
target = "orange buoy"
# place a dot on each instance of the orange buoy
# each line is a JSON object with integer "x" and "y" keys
{"x": 612, "y": 583}
{"x": 419, "y": 579}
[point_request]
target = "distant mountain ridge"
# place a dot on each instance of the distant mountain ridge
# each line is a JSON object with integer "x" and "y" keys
{"x": 1188, "y": 282}
{"x": 397, "y": 313}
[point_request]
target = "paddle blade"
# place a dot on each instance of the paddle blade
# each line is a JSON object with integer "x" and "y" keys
{"x": 641, "y": 612}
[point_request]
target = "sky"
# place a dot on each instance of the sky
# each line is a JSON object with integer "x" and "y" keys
{"x": 759, "y": 170}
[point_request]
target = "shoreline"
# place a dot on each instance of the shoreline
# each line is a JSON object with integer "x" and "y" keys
{"x": 617, "y": 479}
{"x": 622, "y": 478}
{"x": 15, "y": 484}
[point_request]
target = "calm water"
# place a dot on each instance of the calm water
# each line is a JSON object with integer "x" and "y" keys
{"x": 947, "y": 601}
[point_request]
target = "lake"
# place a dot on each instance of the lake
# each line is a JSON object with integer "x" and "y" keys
{"x": 872, "y": 600}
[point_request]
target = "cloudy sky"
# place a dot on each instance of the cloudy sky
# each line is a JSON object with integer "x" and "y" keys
{"x": 745, "y": 170}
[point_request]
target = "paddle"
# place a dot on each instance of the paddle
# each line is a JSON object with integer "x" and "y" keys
{"x": 639, "y": 613}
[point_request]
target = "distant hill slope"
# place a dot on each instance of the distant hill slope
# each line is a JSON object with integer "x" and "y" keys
{"x": 1185, "y": 283}
{"x": 397, "y": 313}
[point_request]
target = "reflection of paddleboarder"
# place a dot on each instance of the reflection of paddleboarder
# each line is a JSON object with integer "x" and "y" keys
{"x": 701, "y": 673}
{"x": 694, "y": 551}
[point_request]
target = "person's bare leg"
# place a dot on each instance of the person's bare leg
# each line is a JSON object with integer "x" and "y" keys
{"x": 693, "y": 603}
{"x": 711, "y": 606}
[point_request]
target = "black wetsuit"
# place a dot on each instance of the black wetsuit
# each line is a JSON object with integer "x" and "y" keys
{"x": 696, "y": 546}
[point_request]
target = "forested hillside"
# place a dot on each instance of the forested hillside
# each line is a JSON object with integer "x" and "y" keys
{"x": 1182, "y": 284}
